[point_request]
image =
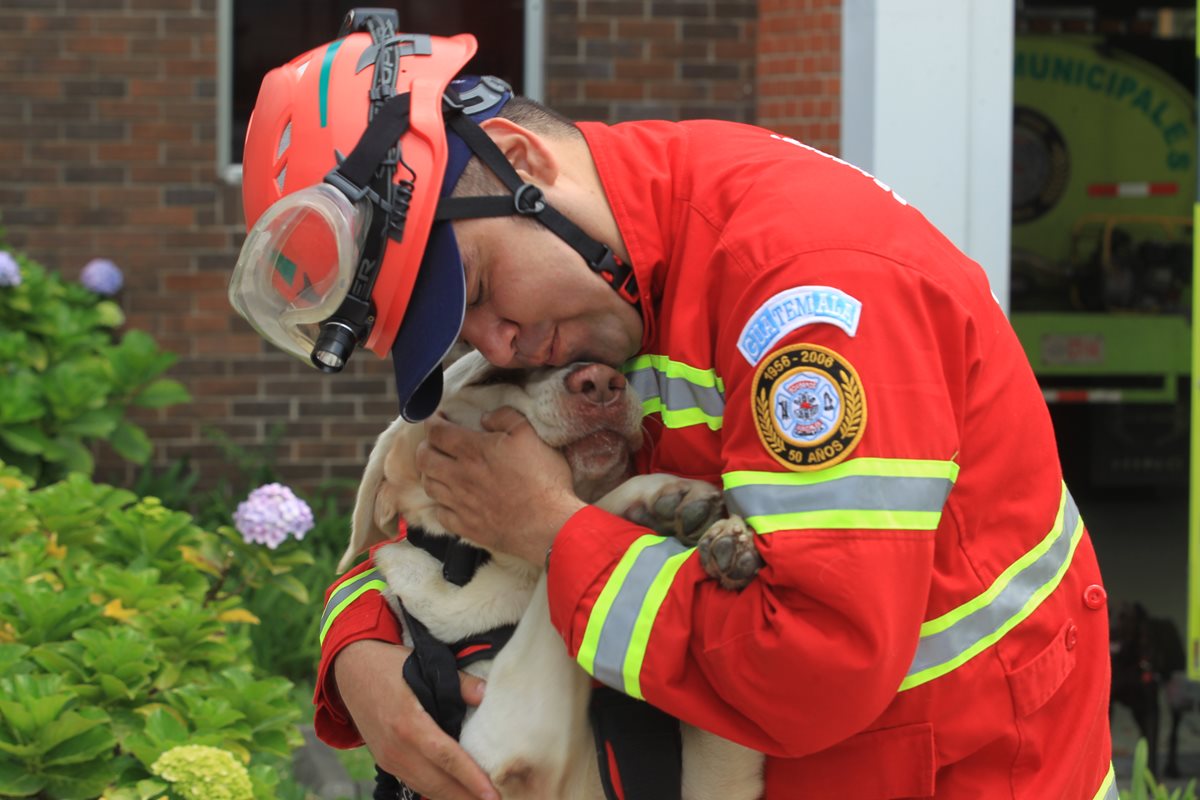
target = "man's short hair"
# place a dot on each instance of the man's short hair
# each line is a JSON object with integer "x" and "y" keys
{"x": 477, "y": 180}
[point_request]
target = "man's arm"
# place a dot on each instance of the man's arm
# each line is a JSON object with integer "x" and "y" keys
{"x": 361, "y": 696}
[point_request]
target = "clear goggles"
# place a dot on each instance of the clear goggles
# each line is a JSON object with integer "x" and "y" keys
{"x": 297, "y": 265}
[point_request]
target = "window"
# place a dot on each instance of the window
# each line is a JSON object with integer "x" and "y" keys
{"x": 259, "y": 35}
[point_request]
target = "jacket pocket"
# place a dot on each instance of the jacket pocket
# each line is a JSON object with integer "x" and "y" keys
{"x": 1036, "y": 682}
{"x": 875, "y": 765}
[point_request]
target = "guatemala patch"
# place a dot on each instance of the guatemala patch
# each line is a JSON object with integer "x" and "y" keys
{"x": 809, "y": 406}
{"x": 794, "y": 308}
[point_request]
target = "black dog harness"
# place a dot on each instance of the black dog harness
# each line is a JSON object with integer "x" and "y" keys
{"x": 638, "y": 747}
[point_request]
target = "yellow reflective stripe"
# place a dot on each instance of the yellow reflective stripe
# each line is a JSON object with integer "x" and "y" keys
{"x": 846, "y": 519}
{"x": 346, "y": 593}
{"x": 676, "y": 369}
{"x": 640, "y": 638}
{"x": 991, "y": 606}
{"x": 943, "y": 622}
{"x": 591, "y": 635}
{"x": 1108, "y": 788}
{"x": 680, "y": 418}
{"x": 684, "y": 395}
{"x": 890, "y": 467}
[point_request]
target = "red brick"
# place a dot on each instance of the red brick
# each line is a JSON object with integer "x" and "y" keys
{"x": 96, "y": 45}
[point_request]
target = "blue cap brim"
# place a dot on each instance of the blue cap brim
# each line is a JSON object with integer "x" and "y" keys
{"x": 431, "y": 325}
{"x": 437, "y": 307}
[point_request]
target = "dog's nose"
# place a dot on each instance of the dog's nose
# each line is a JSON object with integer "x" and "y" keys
{"x": 599, "y": 383}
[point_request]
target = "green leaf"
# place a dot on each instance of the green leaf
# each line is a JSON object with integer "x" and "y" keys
{"x": 75, "y": 456}
{"x": 15, "y": 781}
{"x": 131, "y": 442}
{"x": 162, "y": 392}
{"x": 291, "y": 586}
{"x": 96, "y": 423}
{"x": 28, "y": 438}
{"x": 82, "y": 738}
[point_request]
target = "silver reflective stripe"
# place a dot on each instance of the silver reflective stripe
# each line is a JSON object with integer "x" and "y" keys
{"x": 858, "y": 493}
{"x": 347, "y": 593}
{"x": 958, "y": 636}
{"x": 617, "y": 632}
{"x": 1108, "y": 788}
{"x": 685, "y": 395}
{"x": 903, "y": 494}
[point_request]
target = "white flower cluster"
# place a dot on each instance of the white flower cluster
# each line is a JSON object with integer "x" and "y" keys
{"x": 271, "y": 514}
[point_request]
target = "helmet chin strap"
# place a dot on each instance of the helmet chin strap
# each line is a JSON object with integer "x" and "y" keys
{"x": 527, "y": 200}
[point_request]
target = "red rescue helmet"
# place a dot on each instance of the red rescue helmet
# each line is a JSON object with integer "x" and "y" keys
{"x": 310, "y": 114}
{"x": 352, "y": 153}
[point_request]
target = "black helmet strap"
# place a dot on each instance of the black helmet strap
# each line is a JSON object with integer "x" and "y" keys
{"x": 527, "y": 200}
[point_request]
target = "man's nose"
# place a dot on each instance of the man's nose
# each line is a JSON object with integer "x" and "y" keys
{"x": 599, "y": 383}
{"x": 494, "y": 339}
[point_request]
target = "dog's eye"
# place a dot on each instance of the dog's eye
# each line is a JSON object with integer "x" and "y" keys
{"x": 496, "y": 377}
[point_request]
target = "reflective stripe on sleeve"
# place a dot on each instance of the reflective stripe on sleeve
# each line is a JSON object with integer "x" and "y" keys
{"x": 956, "y": 637}
{"x": 618, "y": 629}
{"x": 863, "y": 493}
{"x": 684, "y": 395}
{"x": 346, "y": 593}
{"x": 1108, "y": 787}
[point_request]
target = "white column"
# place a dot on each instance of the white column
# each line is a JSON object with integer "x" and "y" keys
{"x": 927, "y": 108}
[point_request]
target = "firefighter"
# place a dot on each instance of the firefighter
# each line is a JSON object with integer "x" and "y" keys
{"x": 930, "y": 619}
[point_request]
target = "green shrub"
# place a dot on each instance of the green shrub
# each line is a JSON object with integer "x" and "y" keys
{"x": 123, "y": 637}
{"x": 1143, "y": 786}
{"x": 288, "y": 646}
{"x": 66, "y": 378}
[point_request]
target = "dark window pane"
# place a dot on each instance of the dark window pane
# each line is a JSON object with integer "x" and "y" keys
{"x": 267, "y": 33}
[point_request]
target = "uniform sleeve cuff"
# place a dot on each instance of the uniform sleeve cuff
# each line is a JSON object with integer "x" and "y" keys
{"x": 583, "y": 555}
{"x": 364, "y": 620}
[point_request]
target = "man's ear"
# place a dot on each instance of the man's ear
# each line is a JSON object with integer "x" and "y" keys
{"x": 529, "y": 153}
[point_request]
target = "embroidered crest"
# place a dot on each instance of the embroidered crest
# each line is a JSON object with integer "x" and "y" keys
{"x": 809, "y": 406}
{"x": 792, "y": 309}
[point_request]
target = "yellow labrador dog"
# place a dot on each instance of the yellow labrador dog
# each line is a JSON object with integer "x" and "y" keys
{"x": 531, "y": 733}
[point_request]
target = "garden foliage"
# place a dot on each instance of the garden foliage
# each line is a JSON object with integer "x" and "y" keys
{"x": 123, "y": 636}
{"x": 67, "y": 379}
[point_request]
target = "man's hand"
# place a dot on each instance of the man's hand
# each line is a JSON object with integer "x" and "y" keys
{"x": 404, "y": 740}
{"x": 503, "y": 489}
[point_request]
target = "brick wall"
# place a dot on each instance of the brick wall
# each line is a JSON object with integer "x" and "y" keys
{"x": 615, "y": 60}
{"x": 108, "y": 149}
{"x": 800, "y": 69}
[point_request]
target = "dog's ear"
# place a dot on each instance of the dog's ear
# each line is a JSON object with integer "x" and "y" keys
{"x": 365, "y": 525}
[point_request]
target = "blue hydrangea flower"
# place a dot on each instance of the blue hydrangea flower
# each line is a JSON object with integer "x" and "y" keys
{"x": 271, "y": 514}
{"x": 102, "y": 277}
{"x": 10, "y": 271}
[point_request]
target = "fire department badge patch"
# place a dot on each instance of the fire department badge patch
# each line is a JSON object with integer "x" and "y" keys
{"x": 809, "y": 406}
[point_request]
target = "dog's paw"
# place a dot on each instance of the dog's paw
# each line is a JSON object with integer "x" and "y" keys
{"x": 728, "y": 553}
{"x": 680, "y": 507}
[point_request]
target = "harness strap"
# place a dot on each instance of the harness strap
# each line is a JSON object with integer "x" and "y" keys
{"x": 527, "y": 200}
{"x": 432, "y": 674}
{"x": 460, "y": 559}
{"x": 638, "y": 747}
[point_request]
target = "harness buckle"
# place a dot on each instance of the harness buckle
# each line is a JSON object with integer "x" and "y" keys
{"x": 619, "y": 276}
{"x": 528, "y": 200}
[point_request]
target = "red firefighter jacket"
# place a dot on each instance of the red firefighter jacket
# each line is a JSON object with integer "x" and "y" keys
{"x": 930, "y": 620}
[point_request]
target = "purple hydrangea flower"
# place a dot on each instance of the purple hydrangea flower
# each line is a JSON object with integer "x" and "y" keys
{"x": 102, "y": 277}
{"x": 272, "y": 513}
{"x": 10, "y": 271}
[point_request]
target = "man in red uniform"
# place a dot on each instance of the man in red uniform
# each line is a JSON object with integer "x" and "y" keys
{"x": 929, "y": 620}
